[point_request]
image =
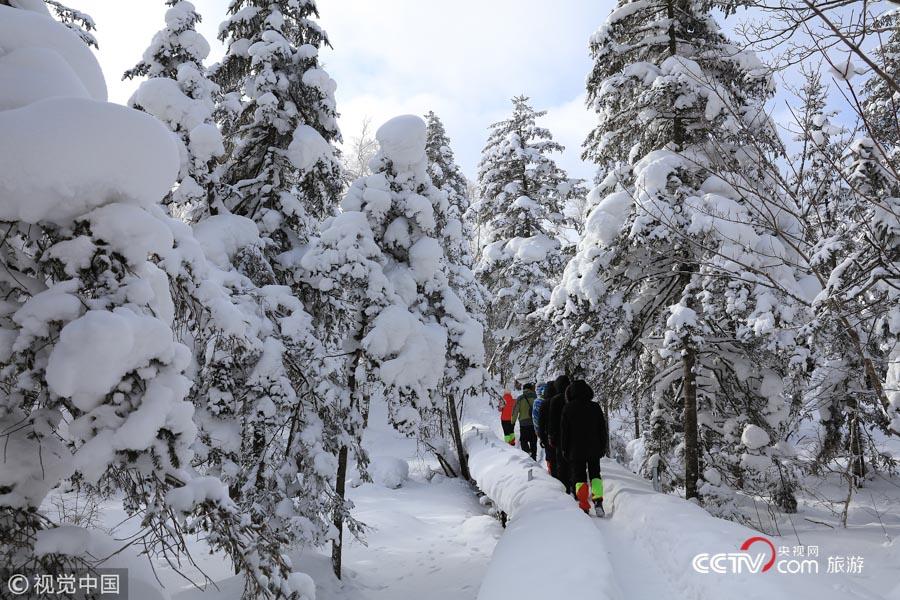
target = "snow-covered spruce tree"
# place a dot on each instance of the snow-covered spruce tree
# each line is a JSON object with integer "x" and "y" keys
{"x": 664, "y": 262}
{"x": 866, "y": 275}
{"x": 874, "y": 175}
{"x": 279, "y": 120}
{"x": 521, "y": 196}
{"x": 463, "y": 377}
{"x": 825, "y": 202}
{"x": 396, "y": 323}
{"x": 249, "y": 338}
{"x": 457, "y": 231}
{"x": 345, "y": 264}
{"x": 282, "y": 172}
{"x": 76, "y": 257}
{"x": 180, "y": 94}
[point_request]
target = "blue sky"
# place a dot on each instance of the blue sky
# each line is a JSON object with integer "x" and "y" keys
{"x": 463, "y": 59}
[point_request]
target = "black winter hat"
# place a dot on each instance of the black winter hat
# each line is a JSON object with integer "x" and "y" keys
{"x": 562, "y": 382}
{"x": 579, "y": 390}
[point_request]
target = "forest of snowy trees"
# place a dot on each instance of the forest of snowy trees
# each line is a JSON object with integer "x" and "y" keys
{"x": 202, "y": 295}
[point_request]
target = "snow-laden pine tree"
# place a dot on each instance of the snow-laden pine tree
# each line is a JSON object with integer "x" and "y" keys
{"x": 874, "y": 174}
{"x": 252, "y": 338}
{"x": 279, "y": 119}
{"x": 823, "y": 198}
{"x": 179, "y": 93}
{"x": 463, "y": 377}
{"x": 282, "y": 174}
{"x": 409, "y": 338}
{"x": 675, "y": 257}
{"x": 394, "y": 322}
{"x": 95, "y": 392}
{"x": 456, "y": 229}
{"x": 522, "y": 193}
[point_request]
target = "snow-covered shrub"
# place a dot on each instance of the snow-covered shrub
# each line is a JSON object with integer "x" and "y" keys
{"x": 389, "y": 471}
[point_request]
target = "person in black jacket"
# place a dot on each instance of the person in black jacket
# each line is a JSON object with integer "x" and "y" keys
{"x": 556, "y": 409}
{"x": 583, "y": 440}
{"x": 543, "y": 428}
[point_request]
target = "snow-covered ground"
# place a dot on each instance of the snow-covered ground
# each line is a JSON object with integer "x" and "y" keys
{"x": 429, "y": 538}
{"x": 432, "y": 538}
{"x": 646, "y": 546}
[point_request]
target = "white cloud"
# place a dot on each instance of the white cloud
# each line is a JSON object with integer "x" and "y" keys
{"x": 570, "y": 123}
{"x": 462, "y": 59}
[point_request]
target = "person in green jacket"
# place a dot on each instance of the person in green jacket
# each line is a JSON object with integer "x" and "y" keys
{"x": 522, "y": 412}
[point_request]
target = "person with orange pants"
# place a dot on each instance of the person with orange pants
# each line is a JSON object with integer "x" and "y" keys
{"x": 506, "y": 416}
{"x": 584, "y": 440}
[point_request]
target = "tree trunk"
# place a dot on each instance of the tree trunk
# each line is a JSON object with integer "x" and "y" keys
{"x": 636, "y": 405}
{"x": 340, "y": 488}
{"x": 457, "y": 438}
{"x": 857, "y": 457}
{"x": 691, "y": 446}
{"x": 340, "y": 485}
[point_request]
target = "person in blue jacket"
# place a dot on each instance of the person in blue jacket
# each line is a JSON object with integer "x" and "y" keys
{"x": 536, "y": 409}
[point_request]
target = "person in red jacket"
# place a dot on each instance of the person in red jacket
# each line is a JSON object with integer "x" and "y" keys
{"x": 506, "y": 414}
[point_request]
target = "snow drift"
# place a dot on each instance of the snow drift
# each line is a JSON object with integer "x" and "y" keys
{"x": 547, "y": 532}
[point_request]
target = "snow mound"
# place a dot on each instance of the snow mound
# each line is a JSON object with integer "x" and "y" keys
{"x": 222, "y": 236}
{"x": 307, "y": 148}
{"x": 36, "y": 6}
{"x": 413, "y": 353}
{"x": 531, "y": 249}
{"x": 162, "y": 97}
{"x": 20, "y": 85}
{"x": 546, "y": 530}
{"x": 196, "y": 492}
{"x": 91, "y": 544}
{"x": 425, "y": 259}
{"x": 389, "y": 471}
{"x": 755, "y": 437}
{"x": 27, "y": 29}
{"x": 607, "y": 218}
{"x": 65, "y": 157}
{"x": 669, "y": 532}
{"x": 119, "y": 342}
{"x": 402, "y": 140}
{"x": 132, "y": 231}
{"x": 31, "y": 466}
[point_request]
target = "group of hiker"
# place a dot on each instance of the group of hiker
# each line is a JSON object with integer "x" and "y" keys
{"x": 570, "y": 427}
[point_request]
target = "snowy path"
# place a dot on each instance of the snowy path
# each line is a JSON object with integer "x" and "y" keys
{"x": 638, "y": 576}
{"x": 427, "y": 540}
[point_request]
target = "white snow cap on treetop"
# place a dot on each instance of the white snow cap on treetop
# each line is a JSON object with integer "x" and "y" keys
{"x": 402, "y": 140}
{"x": 26, "y": 29}
{"x": 98, "y": 162}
